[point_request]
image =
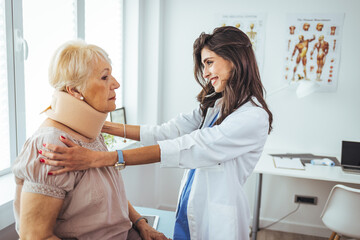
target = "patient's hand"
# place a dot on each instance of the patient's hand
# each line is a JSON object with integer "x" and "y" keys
{"x": 149, "y": 233}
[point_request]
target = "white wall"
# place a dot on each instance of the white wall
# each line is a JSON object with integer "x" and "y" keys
{"x": 315, "y": 124}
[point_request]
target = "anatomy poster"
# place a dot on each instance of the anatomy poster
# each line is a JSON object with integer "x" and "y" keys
{"x": 254, "y": 26}
{"x": 313, "y": 44}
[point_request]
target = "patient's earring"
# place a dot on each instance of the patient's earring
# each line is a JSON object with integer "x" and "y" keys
{"x": 82, "y": 98}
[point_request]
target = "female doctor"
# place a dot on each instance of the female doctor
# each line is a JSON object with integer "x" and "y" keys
{"x": 218, "y": 144}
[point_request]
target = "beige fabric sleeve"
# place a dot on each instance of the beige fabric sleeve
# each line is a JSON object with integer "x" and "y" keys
{"x": 34, "y": 174}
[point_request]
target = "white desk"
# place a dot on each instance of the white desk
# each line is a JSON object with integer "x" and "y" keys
{"x": 166, "y": 219}
{"x": 322, "y": 173}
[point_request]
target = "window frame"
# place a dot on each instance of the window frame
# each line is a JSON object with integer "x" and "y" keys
{"x": 12, "y": 91}
{"x": 16, "y": 47}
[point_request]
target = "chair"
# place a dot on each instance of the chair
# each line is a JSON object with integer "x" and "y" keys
{"x": 341, "y": 213}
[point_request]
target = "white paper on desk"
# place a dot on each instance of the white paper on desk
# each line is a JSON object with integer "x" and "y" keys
{"x": 290, "y": 163}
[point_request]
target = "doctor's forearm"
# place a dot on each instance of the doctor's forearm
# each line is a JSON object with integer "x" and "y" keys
{"x": 143, "y": 155}
{"x": 117, "y": 129}
{"x": 136, "y": 156}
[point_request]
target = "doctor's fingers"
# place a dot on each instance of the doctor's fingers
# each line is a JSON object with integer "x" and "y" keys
{"x": 68, "y": 142}
{"x": 56, "y": 156}
{"x": 57, "y": 163}
{"x": 60, "y": 171}
{"x": 61, "y": 149}
{"x": 55, "y": 148}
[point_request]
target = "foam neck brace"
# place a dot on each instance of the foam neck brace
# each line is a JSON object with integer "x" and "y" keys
{"x": 76, "y": 114}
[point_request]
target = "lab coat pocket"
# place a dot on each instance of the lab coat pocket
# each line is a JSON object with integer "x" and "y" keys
{"x": 222, "y": 222}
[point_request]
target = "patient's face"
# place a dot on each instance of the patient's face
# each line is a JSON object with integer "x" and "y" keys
{"x": 100, "y": 90}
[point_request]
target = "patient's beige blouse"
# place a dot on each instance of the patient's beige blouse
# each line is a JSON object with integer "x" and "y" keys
{"x": 95, "y": 204}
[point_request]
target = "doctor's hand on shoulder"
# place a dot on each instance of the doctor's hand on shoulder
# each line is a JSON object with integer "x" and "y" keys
{"x": 71, "y": 157}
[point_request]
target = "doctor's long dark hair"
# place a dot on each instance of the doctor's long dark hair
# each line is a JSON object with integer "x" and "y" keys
{"x": 233, "y": 45}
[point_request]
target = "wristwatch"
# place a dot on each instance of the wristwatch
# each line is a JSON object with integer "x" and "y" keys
{"x": 120, "y": 164}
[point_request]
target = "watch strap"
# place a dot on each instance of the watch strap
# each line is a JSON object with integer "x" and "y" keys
{"x": 120, "y": 164}
{"x": 120, "y": 156}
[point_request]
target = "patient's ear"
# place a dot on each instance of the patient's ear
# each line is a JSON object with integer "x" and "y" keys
{"x": 74, "y": 92}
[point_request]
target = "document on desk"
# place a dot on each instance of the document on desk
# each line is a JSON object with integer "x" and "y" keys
{"x": 289, "y": 163}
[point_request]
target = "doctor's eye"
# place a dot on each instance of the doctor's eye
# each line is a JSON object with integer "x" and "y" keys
{"x": 209, "y": 63}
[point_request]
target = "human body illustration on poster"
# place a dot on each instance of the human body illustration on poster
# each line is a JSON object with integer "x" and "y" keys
{"x": 254, "y": 26}
{"x": 312, "y": 49}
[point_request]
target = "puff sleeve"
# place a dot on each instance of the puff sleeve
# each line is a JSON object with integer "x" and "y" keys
{"x": 33, "y": 174}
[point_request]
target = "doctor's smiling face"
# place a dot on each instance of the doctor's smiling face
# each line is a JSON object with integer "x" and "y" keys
{"x": 215, "y": 69}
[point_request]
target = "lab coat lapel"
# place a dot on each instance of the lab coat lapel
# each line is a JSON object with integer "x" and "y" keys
{"x": 211, "y": 113}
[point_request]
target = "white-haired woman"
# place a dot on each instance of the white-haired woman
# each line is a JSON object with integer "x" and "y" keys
{"x": 88, "y": 204}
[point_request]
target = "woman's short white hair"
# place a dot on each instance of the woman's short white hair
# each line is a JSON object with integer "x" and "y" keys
{"x": 73, "y": 63}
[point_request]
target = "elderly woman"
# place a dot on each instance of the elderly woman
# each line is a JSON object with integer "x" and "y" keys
{"x": 88, "y": 204}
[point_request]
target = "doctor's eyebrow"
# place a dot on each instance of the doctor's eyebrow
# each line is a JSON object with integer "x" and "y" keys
{"x": 206, "y": 59}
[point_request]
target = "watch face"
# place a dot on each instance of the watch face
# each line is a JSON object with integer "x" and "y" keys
{"x": 119, "y": 166}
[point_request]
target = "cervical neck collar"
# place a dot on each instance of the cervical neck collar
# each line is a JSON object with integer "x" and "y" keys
{"x": 76, "y": 114}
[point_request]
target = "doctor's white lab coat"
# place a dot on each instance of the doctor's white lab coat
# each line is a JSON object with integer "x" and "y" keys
{"x": 224, "y": 156}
